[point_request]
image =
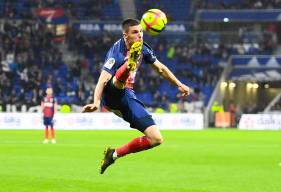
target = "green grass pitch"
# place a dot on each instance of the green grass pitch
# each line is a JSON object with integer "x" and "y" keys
{"x": 188, "y": 161}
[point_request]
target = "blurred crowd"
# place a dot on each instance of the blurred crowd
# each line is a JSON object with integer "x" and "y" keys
{"x": 26, "y": 53}
{"x": 238, "y": 4}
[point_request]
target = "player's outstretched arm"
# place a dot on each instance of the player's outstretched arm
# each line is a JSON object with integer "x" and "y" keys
{"x": 167, "y": 74}
{"x": 103, "y": 80}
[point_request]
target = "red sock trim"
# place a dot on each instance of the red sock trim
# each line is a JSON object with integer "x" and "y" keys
{"x": 123, "y": 73}
{"x": 136, "y": 145}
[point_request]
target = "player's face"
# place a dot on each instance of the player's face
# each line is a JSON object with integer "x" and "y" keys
{"x": 134, "y": 34}
{"x": 49, "y": 91}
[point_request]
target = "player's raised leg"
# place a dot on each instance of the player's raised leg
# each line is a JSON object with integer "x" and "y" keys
{"x": 151, "y": 139}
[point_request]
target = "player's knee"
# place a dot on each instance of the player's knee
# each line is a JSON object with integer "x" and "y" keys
{"x": 118, "y": 84}
{"x": 156, "y": 141}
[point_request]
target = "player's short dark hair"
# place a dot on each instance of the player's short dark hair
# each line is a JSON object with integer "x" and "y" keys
{"x": 129, "y": 23}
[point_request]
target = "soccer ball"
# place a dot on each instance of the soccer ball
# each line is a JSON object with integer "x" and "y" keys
{"x": 153, "y": 21}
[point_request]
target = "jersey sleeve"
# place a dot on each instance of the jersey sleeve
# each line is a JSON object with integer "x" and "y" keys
{"x": 110, "y": 63}
{"x": 148, "y": 54}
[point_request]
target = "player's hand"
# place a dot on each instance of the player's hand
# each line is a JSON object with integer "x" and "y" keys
{"x": 90, "y": 108}
{"x": 184, "y": 90}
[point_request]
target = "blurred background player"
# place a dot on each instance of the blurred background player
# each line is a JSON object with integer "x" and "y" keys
{"x": 116, "y": 83}
{"x": 49, "y": 107}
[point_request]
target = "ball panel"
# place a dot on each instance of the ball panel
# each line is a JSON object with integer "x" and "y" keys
{"x": 144, "y": 27}
{"x": 153, "y": 21}
{"x": 152, "y": 32}
{"x": 160, "y": 14}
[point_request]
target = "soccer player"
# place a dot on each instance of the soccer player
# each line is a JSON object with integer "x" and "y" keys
{"x": 49, "y": 107}
{"x": 115, "y": 90}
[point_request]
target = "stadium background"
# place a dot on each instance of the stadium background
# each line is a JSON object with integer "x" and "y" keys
{"x": 228, "y": 51}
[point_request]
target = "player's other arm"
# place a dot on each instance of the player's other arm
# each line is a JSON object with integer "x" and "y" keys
{"x": 167, "y": 74}
{"x": 42, "y": 106}
{"x": 103, "y": 80}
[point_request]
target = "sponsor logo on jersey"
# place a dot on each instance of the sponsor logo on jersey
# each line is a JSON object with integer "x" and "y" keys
{"x": 48, "y": 104}
{"x": 109, "y": 63}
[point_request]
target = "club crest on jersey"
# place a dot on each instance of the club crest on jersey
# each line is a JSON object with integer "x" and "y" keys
{"x": 109, "y": 63}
